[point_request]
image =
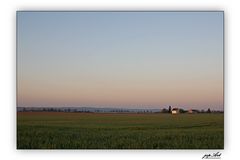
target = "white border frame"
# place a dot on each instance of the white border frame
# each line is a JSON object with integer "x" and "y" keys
{"x": 8, "y": 77}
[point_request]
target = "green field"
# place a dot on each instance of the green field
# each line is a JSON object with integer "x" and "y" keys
{"x": 58, "y": 130}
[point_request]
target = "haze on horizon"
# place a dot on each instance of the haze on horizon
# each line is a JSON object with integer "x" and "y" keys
{"x": 123, "y": 59}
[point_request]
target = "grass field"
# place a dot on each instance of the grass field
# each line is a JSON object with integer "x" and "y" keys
{"x": 59, "y": 130}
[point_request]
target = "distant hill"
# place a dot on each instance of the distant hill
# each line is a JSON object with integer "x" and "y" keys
{"x": 85, "y": 109}
{"x": 106, "y": 110}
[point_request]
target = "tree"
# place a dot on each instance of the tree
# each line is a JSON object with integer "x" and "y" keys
{"x": 208, "y": 111}
{"x": 182, "y": 110}
{"x": 169, "y": 109}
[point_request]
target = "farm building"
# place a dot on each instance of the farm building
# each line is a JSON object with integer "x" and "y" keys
{"x": 175, "y": 111}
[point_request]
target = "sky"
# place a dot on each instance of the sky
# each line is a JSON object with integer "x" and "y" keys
{"x": 120, "y": 59}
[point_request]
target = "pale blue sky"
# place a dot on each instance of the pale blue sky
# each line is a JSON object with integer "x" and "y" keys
{"x": 120, "y": 59}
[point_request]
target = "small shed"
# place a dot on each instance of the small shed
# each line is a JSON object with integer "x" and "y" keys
{"x": 191, "y": 111}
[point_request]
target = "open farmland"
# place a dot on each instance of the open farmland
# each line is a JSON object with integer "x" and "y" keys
{"x": 59, "y": 130}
